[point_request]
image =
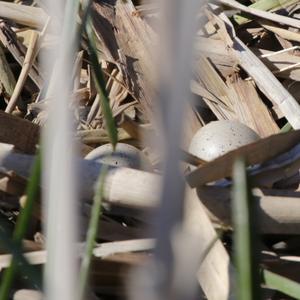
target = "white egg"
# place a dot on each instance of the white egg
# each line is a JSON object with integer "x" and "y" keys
{"x": 124, "y": 156}
{"x": 27, "y": 294}
{"x": 220, "y": 137}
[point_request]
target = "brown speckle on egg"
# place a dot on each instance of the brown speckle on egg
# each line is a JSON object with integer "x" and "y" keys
{"x": 220, "y": 137}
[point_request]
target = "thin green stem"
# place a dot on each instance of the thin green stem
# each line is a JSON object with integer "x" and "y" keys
{"x": 91, "y": 234}
{"x": 244, "y": 235}
{"x": 100, "y": 84}
{"x": 21, "y": 226}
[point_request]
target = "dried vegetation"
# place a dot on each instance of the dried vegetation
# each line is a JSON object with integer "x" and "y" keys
{"x": 246, "y": 68}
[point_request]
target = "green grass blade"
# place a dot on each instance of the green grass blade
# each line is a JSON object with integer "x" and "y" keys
{"x": 244, "y": 235}
{"x": 91, "y": 234}
{"x": 265, "y": 5}
{"x": 100, "y": 84}
{"x": 286, "y": 128}
{"x": 98, "y": 74}
{"x": 282, "y": 284}
{"x": 32, "y": 193}
{"x": 22, "y": 225}
{"x": 86, "y": 9}
{"x": 24, "y": 267}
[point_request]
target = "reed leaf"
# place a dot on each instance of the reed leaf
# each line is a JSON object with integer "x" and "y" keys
{"x": 100, "y": 84}
{"x": 24, "y": 267}
{"x": 21, "y": 226}
{"x": 286, "y": 128}
{"x": 265, "y": 5}
{"x": 245, "y": 251}
{"x": 281, "y": 283}
{"x": 91, "y": 234}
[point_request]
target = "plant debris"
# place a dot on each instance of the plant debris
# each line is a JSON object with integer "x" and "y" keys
{"x": 246, "y": 69}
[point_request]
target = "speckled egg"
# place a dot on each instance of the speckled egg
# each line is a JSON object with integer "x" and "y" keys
{"x": 220, "y": 137}
{"x": 124, "y": 156}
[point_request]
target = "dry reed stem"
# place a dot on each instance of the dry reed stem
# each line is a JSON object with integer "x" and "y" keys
{"x": 22, "y": 14}
{"x": 28, "y": 61}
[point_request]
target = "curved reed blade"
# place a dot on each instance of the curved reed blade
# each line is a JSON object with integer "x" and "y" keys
{"x": 100, "y": 85}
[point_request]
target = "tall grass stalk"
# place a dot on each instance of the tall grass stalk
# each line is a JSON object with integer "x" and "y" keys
{"x": 60, "y": 172}
{"x": 91, "y": 235}
{"x": 174, "y": 64}
{"x": 245, "y": 247}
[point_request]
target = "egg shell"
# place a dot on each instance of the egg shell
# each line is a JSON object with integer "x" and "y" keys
{"x": 27, "y": 295}
{"x": 124, "y": 156}
{"x": 219, "y": 137}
